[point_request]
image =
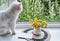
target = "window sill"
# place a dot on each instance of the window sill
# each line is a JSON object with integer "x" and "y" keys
{"x": 28, "y": 25}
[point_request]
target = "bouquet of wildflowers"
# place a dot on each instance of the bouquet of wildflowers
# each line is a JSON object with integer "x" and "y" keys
{"x": 37, "y": 23}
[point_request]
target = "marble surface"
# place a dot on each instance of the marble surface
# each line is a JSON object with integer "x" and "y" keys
{"x": 55, "y": 35}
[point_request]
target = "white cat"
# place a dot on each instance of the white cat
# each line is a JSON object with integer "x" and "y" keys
{"x": 8, "y": 18}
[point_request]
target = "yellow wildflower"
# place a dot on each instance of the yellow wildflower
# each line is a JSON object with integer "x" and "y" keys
{"x": 44, "y": 26}
{"x": 44, "y": 22}
{"x": 36, "y": 23}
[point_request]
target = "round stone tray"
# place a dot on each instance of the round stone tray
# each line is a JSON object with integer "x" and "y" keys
{"x": 46, "y": 36}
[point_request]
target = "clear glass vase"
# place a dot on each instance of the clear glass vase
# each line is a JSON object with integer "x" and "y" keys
{"x": 37, "y": 31}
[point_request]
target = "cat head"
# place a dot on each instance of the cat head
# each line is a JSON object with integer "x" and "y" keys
{"x": 16, "y": 6}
